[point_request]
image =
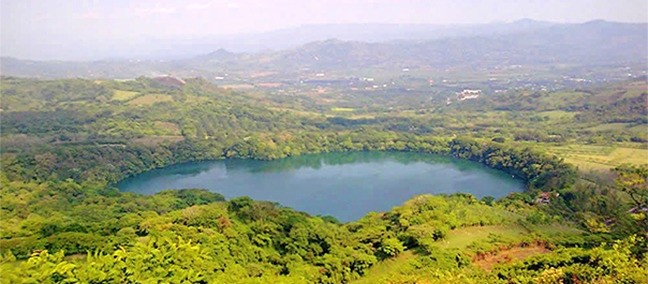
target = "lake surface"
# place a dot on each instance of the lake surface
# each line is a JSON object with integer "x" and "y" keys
{"x": 344, "y": 185}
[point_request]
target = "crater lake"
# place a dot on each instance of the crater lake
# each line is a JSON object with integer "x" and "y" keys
{"x": 344, "y": 185}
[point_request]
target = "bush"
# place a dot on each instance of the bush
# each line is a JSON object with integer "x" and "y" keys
{"x": 389, "y": 248}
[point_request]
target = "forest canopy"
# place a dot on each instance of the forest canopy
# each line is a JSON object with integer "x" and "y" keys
{"x": 66, "y": 143}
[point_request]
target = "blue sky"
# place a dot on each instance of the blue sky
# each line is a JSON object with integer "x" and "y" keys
{"x": 40, "y": 29}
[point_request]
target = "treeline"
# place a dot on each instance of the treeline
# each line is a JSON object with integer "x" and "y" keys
{"x": 92, "y": 112}
{"x": 110, "y": 163}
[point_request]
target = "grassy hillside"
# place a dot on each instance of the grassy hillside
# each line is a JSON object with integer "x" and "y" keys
{"x": 588, "y": 157}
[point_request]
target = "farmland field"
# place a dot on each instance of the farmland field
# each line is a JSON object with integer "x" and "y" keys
{"x": 463, "y": 237}
{"x": 587, "y": 157}
{"x": 120, "y": 95}
{"x": 342, "y": 109}
{"x": 147, "y": 100}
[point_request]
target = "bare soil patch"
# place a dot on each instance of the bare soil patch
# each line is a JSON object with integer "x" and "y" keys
{"x": 488, "y": 261}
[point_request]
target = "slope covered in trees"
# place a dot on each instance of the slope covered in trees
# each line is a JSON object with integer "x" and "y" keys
{"x": 66, "y": 142}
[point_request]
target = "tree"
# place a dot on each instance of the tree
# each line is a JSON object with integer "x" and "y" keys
{"x": 634, "y": 181}
{"x": 389, "y": 247}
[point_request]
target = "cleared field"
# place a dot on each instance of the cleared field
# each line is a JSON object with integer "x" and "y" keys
{"x": 610, "y": 126}
{"x": 120, "y": 95}
{"x": 558, "y": 114}
{"x": 509, "y": 255}
{"x": 296, "y": 111}
{"x": 342, "y": 109}
{"x": 352, "y": 116}
{"x": 461, "y": 238}
{"x": 406, "y": 268}
{"x": 167, "y": 127}
{"x": 150, "y": 99}
{"x": 403, "y": 267}
{"x": 563, "y": 99}
{"x": 157, "y": 140}
{"x": 238, "y": 86}
{"x": 383, "y": 271}
{"x": 642, "y": 128}
{"x": 587, "y": 157}
{"x": 635, "y": 89}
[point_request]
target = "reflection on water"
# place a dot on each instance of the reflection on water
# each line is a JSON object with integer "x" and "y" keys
{"x": 316, "y": 161}
{"x": 183, "y": 169}
{"x": 344, "y": 185}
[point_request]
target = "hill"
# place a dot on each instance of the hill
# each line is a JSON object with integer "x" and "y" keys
{"x": 591, "y": 43}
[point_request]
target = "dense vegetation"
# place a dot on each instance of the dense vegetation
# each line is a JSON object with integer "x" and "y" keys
{"x": 65, "y": 142}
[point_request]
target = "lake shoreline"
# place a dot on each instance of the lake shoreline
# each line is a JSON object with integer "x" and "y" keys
{"x": 354, "y": 183}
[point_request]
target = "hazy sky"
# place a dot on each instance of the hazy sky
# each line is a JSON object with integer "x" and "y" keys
{"x": 46, "y": 28}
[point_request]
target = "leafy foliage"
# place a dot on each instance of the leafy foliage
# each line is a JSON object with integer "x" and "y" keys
{"x": 66, "y": 142}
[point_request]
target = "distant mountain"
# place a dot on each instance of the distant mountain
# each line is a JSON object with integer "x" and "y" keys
{"x": 91, "y": 69}
{"x": 294, "y": 37}
{"x": 150, "y": 47}
{"x": 584, "y": 44}
{"x": 531, "y": 43}
{"x": 220, "y": 55}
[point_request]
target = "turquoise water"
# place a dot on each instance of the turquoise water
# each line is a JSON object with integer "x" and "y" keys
{"x": 344, "y": 185}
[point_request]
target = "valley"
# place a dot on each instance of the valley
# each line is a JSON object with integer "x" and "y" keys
{"x": 81, "y": 136}
{"x": 493, "y": 153}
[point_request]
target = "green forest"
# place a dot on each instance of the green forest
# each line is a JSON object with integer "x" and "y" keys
{"x": 582, "y": 218}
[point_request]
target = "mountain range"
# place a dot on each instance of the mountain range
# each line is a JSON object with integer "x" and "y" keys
{"x": 391, "y": 47}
